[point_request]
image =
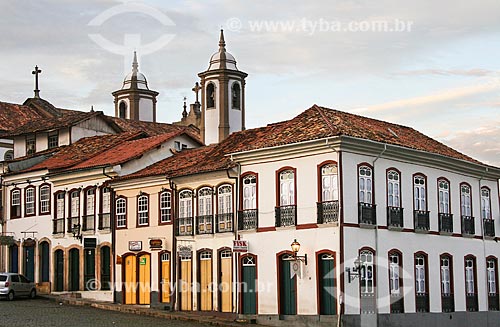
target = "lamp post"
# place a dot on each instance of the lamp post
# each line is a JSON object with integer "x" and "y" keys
{"x": 77, "y": 232}
{"x": 356, "y": 270}
{"x": 296, "y": 248}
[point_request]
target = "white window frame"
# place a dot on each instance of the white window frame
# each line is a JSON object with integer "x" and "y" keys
{"x": 75, "y": 204}
{"x": 420, "y": 275}
{"x": 365, "y": 184}
{"x": 165, "y": 207}
{"x": 394, "y": 272}
{"x": 143, "y": 210}
{"x": 44, "y": 199}
{"x": 121, "y": 212}
{"x": 419, "y": 193}
{"x": 444, "y": 196}
{"x": 287, "y": 187}
{"x": 60, "y": 204}
{"x": 250, "y": 192}
{"x": 225, "y": 199}
{"x": 393, "y": 189}
{"x": 485, "y": 203}
{"x": 445, "y": 275}
{"x": 469, "y": 277}
{"x": 491, "y": 273}
{"x": 205, "y": 201}
{"x": 465, "y": 200}
{"x": 185, "y": 204}
{"x": 30, "y": 200}
{"x": 90, "y": 202}
{"x": 106, "y": 200}
{"x": 329, "y": 183}
{"x": 367, "y": 272}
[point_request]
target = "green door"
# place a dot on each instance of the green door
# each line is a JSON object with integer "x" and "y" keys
{"x": 89, "y": 273}
{"x": 105, "y": 268}
{"x": 59, "y": 271}
{"x": 44, "y": 262}
{"x": 288, "y": 288}
{"x": 248, "y": 289}
{"x": 29, "y": 263}
{"x": 74, "y": 270}
{"x": 327, "y": 284}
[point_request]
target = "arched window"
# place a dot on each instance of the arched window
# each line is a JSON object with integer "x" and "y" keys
{"x": 470, "y": 283}
{"x": 491, "y": 274}
{"x": 367, "y": 277}
{"x": 121, "y": 213}
{"x": 287, "y": 187}
{"x": 393, "y": 189}
{"x": 89, "y": 217}
{"x": 143, "y": 210}
{"x": 235, "y": 95}
{"x": 205, "y": 201}
{"x": 419, "y": 193}
{"x": 329, "y": 183}
{"x": 211, "y": 96}
{"x": 9, "y": 155}
{"x": 15, "y": 206}
{"x": 249, "y": 192}
{"x": 485, "y": 203}
{"x": 421, "y": 280}
{"x": 122, "y": 110}
{"x": 396, "y": 281}
{"x": 446, "y": 270}
{"x": 224, "y": 209}
{"x": 365, "y": 180}
{"x": 465, "y": 200}
{"x": 185, "y": 220}
{"x": 444, "y": 196}
{"x": 74, "y": 213}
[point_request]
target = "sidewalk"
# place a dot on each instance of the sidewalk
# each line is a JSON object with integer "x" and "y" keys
{"x": 207, "y": 318}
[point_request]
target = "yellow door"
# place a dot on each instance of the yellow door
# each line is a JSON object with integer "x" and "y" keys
{"x": 206, "y": 281}
{"x": 186, "y": 296}
{"x": 130, "y": 279}
{"x": 226, "y": 280}
{"x": 144, "y": 279}
{"x": 165, "y": 277}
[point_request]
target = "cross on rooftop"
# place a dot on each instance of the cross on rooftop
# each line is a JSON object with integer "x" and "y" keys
{"x": 196, "y": 89}
{"x": 36, "y": 72}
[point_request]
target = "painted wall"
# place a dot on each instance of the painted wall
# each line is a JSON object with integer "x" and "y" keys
{"x": 146, "y": 109}
{"x": 235, "y": 115}
{"x": 212, "y": 116}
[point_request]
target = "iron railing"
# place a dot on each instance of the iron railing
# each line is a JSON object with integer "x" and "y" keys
{"x": 248, "y": 219}
{"x": 468, "y": 227}
{"x": 286, "y": 216}
{"x": 446, "y": 222}
{"x": 58, "y": 226}
{"x": 88, "y": 223}
{"x": 224, "y": 222}
{"x": 447, "y": 302}
{"x": 421, "y": 220}
{"x": 104, "y": 221}
{"x": 489, "y": 227}
{"x": 367, "y": 214}
{"x": 395, "y": 217}
{"x": 327, "y": 212}
{"x": 205, "y": 224}
{"x": 184, "y": 226}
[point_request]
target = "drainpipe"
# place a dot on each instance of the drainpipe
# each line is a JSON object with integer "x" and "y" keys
{"x": 235, "y": 226}
{"x": 376, "y": 229}
{"x": 104, "y": 172}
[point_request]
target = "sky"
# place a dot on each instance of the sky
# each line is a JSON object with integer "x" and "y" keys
{"x": 431, "y": 65}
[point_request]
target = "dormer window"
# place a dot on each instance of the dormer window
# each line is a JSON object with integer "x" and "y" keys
{"x": 30, "y": 144}
{"x": 53, "y": 140}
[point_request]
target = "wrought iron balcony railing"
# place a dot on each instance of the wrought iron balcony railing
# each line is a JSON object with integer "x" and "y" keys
{"x": 58, "y": 226}
{"x": 248, "y": 219}
{"x": 286, "y": 216}
{"x": 104, "y": 221}
{"x": 395, "y": 217}
{"x": 205, "y": 224}
{"x": 224, "y": 222}
{"x": 446, "y": 222}
{"x": 468, "y": 227}
{"x": 327, "y": 212}
{"x": 489, "y": 227}
{"x": 184, "y": 226}
{"x": 421, "y": 220}
{"x": 88, "y": 223}
{"x": 367, "y": 214}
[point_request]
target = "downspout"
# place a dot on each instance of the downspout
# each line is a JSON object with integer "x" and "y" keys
{"x": 236, "y": 228}
{"x": 376, "y": 229}
{"x": 104, "y": 172}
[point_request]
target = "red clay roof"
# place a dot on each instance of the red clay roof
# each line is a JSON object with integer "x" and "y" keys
{"x": 15, "y": 115}
{"x": 81, "y": 150}
{"x": 314, "y": 123}
{"x": 127, "y": 150}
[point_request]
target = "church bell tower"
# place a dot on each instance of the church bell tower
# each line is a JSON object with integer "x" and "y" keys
{"x": 223, "y": 96}
{"x": 135, "y": 100}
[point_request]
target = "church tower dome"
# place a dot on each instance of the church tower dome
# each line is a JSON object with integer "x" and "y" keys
{"x": 135, "y": 100}
{"x": 223, "y": 96}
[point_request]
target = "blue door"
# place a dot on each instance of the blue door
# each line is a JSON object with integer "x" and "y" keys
{"x": 29, "y": 263}
{"x": 14, "y": 259}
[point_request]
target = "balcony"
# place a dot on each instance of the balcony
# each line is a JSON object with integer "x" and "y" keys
{"x": 397, "y": 304}
{"x": 286, "y": 216}
{"x": 446, "y": 223}
{"x": 468, "y": 228}
{"x": 205, "y": 224}
{"x": 447, "y": 303}
{"x": 184, "y": 226}
{"x": 471, "y": 302}
{"x": 421, "y": 220}
{"x": 248, "y": 219}
{"x": 489, "y": 228}
{"x": 104, "y": 221}
{"x": 422, "y": 302}
{"x": 72, "y": 221}
{"x": 58, "y": 226}
{"x": 224, "y": 222}
{"x": 395, "y": 218}
{"x": 88, "y": 223}
{"x": 493, "y": 302}
{"x": 366, "y": 214}
{"x": 328, "y": 212}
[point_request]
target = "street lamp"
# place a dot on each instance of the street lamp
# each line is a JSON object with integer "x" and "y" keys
{"x": 356, "y": 270}
{"x": 77, "y": 232}
{"x": 295, "y": 248}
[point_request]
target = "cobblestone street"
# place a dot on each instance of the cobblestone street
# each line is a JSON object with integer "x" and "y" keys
{"x": 42, "y": 312}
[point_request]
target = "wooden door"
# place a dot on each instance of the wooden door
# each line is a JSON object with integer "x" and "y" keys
{"x": 205, "y": 277}
{"x": 144, "y": 279}
{"x": 225, "y": 281}
{"x": 74, "y": 270}
{"x": 29, "y": 263}
{"x": 288, "y": 288}
{"x": 130, "y": 280}
{"x": 59, "y": 271}
{"x": 165, "y": 277}
{"x": 89, "y": 270}
{"x": 326, "y": 284}
{"x": 248, "y": 288}
{"x": 186, "y": 283}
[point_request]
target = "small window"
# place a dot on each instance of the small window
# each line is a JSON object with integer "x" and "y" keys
{"x": 365, "y": 181}
{"x": 143, "y": 210}
{"x": 53, "y": 140}
{"x": 236, "y": 95}
{"x": 121, "y": 213}
{"x": 29, "y": 201}
{"x": 177, "y": 145}
{"x": 15, "y": 208}
{"x": 122, "y": 110}
{"x": 211, "y": 96}
{"x": 9, "y": 155}
{"x": 44, "y": 199}
{"x": 165, "y": 207}
{"x": 30, "y": 144}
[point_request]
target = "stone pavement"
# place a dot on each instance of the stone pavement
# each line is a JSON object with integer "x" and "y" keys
{"x": 205, "y": 318}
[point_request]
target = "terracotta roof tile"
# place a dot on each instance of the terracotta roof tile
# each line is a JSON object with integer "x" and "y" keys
{"x": 15, "y": 115}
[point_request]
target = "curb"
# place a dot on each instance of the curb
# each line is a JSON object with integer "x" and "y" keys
{"x": 191, "y": 316}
